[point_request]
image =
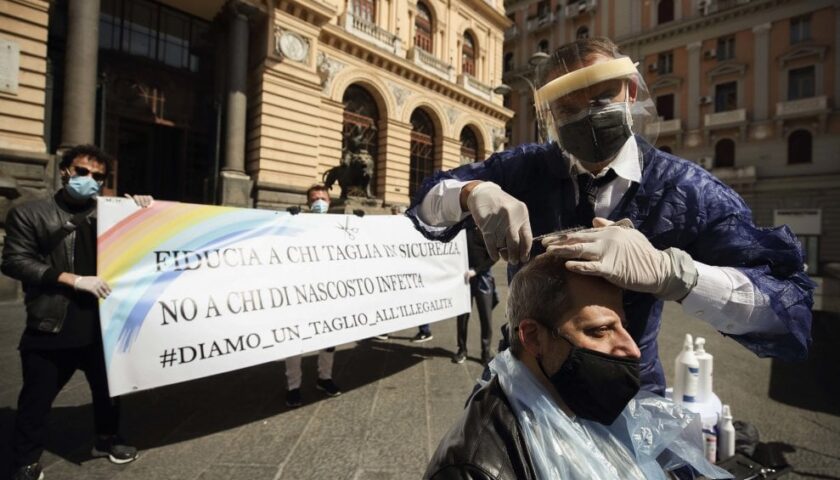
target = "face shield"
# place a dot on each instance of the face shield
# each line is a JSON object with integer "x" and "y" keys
{"x": 592, "y": 104}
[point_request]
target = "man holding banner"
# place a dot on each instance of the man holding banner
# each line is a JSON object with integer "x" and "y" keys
{"x": 50, "y": 247}
{"x": 318, "y": 199}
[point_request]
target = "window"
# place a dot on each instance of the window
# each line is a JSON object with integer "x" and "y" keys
{"x": 726, "y": 96}
{"x": 724, "y": 154}
{"x": 508, "y": 64}
{"x": 469, "y": 146}
{"x": 582, "y": 33}
{"x": 422, "y": 150}
{"x": 365, "y": 10}
{"x": 666, "y": 149}
{"x": 800, "y": 29}
{"x": 543, "y": 46}
{"x": 665, "y": 63}
{"x": 665, "y": 11}
{"x": 423, "y": 28}
{"x": 468, "y": 55}
{"x": 665, "y": 106}
{"x": 725, "y": 48}
{"x": 801, "y": 82}
{"x": 360, "y": 118}
{"x": 151, "y": 30}
{"x": 506, "y": 101}
{"x": 543, "y": 8}
{"x": 799, "y": 147}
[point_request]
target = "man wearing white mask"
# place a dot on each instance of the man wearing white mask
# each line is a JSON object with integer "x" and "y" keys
{"x": 693, "y": 241}
{"x": 318, "y": 199}
{"x": 50, "y": 247}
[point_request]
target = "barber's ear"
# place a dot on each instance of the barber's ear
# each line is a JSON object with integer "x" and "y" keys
{"x": 529, "y": 336}
{"x": 632, "y": 90}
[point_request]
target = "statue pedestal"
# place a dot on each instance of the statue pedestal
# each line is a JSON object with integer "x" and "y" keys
{"x": 371, "y": 206}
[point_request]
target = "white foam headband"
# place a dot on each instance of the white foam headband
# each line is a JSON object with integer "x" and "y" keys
{"x": 586, "y": 76}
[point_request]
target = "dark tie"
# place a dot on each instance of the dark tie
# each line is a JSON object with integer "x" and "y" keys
{"x": 587, "y": 189}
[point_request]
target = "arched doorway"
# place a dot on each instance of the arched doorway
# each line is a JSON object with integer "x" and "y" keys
{"x": 468, "y": 55}
{"x": 423, "y": 28}
{"x": 469, "y": 146}
{"x": 361, "y": 117}
{"x": 422, "y": 150}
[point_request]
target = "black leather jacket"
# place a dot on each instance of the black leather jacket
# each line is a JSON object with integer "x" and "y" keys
{"x": 486, "y": 443}
{"x": 39, "y": 245}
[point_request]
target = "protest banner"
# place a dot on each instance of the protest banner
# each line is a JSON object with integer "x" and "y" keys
{"x": 199, "y": 290}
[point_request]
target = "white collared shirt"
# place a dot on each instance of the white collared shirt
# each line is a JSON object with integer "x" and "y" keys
{"x": 724, "y": 297}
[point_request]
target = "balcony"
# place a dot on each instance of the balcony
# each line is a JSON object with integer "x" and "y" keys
{"x": 726, "y": 119}
{"x": 665, "y": 127}
{"x": 430, "y": 63}
{"x": 372, "y": 33}
{"x": 539, "y": 22}
{"x": 736, "y": 176}
{"x": 581, "y": 7}
{"x": 708, "y": 7}
{"x": 472, "y": 85}
{"x": 802, "y": 107}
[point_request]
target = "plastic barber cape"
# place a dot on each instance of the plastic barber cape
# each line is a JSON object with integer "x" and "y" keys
{"x": 564, "y": 448}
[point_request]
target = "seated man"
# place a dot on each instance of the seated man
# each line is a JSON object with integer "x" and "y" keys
{"x": 553, "y": 408}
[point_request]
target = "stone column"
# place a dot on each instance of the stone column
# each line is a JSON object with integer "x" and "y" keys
{"x": 761, "y": 72}
{"x": 693, "y": 85}
{"x": 235, "y": 184}
{"x": 78, "y": 123}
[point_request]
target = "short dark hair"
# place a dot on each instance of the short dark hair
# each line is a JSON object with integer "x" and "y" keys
{"x": 540, "y": 292}
{"x": 90, "y": 151}
{"x": 318, "y": 187}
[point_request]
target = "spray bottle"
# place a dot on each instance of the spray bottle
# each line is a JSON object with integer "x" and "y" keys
{"x": 704, "y": 388}
{"x": 682, "y": 378}
{"x": 726, "y": 435}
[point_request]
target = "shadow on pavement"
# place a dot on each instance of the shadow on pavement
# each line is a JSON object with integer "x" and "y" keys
{"x": 193, "y": 409}
{"x": 812, "y": 384}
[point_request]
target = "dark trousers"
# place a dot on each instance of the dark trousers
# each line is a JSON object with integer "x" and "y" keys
{"x": 45, "y": 372}
{"x": 484, "y": 305}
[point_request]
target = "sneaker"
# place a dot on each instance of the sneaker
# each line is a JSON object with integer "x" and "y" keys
{"x": 422, "y": 337}
{"x": 384, "y": 336}
{"x": 293, "y": 399}
{"x": 459, "y": 357}
{"x": 329, "y": 387}
{"x": 115, "y": 448}
{"x": 29, "y": 472}
{"x": 486, "y": 357}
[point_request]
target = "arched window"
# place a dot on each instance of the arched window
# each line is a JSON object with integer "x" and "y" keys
{"x": 422, "y": 150}
{"x": 543, "y": 46}
{"x": 724, "y": 153}
{"x": 423, "y": 28}
{"x": 361, "y": 116}
{"x": 665, "y": 11}
{"x": 508, "y": 64}
{"x": 582, "y": 32}
{"x": 468, "y": 54}
{"x": 469, "y": 146}
{"x": 365, "y": 10}
{"x": 799, "y": 147}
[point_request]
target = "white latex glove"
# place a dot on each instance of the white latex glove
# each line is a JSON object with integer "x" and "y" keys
{"x": 142, "y": 201}
{"x": 503, "y": 221}
{"x": 623, "y": 256}
{"x": 93, "y": 285}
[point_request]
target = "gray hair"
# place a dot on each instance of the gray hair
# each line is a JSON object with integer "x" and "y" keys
{"x": 539, "y": 292}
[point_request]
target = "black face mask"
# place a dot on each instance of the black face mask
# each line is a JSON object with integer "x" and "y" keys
{"x": 596, "y": 386}
{"x": 597, "y": 136}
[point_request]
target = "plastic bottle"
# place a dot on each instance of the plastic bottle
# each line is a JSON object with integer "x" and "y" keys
{"x": 710, "y": 444}
{"x": 704, "y": 387}
{"x": 726, "y": 435}
{"x": 686, "y": 370}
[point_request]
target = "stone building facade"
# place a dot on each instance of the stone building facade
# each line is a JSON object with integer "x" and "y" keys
{"x": 747, "y": 88}
{"x": 246, "y": 102}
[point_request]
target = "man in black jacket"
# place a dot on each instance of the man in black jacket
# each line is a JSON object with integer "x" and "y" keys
{"x": 50, "y": 247}
{"x": 569, "y": 335}
{"x": 483, "y": 290}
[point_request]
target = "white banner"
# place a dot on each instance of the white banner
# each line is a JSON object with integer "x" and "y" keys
{"x": 199, "y": 289}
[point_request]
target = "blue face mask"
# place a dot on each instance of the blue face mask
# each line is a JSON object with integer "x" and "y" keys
{"x": 319, "y": 206}
{"x": 83, "y": 188}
